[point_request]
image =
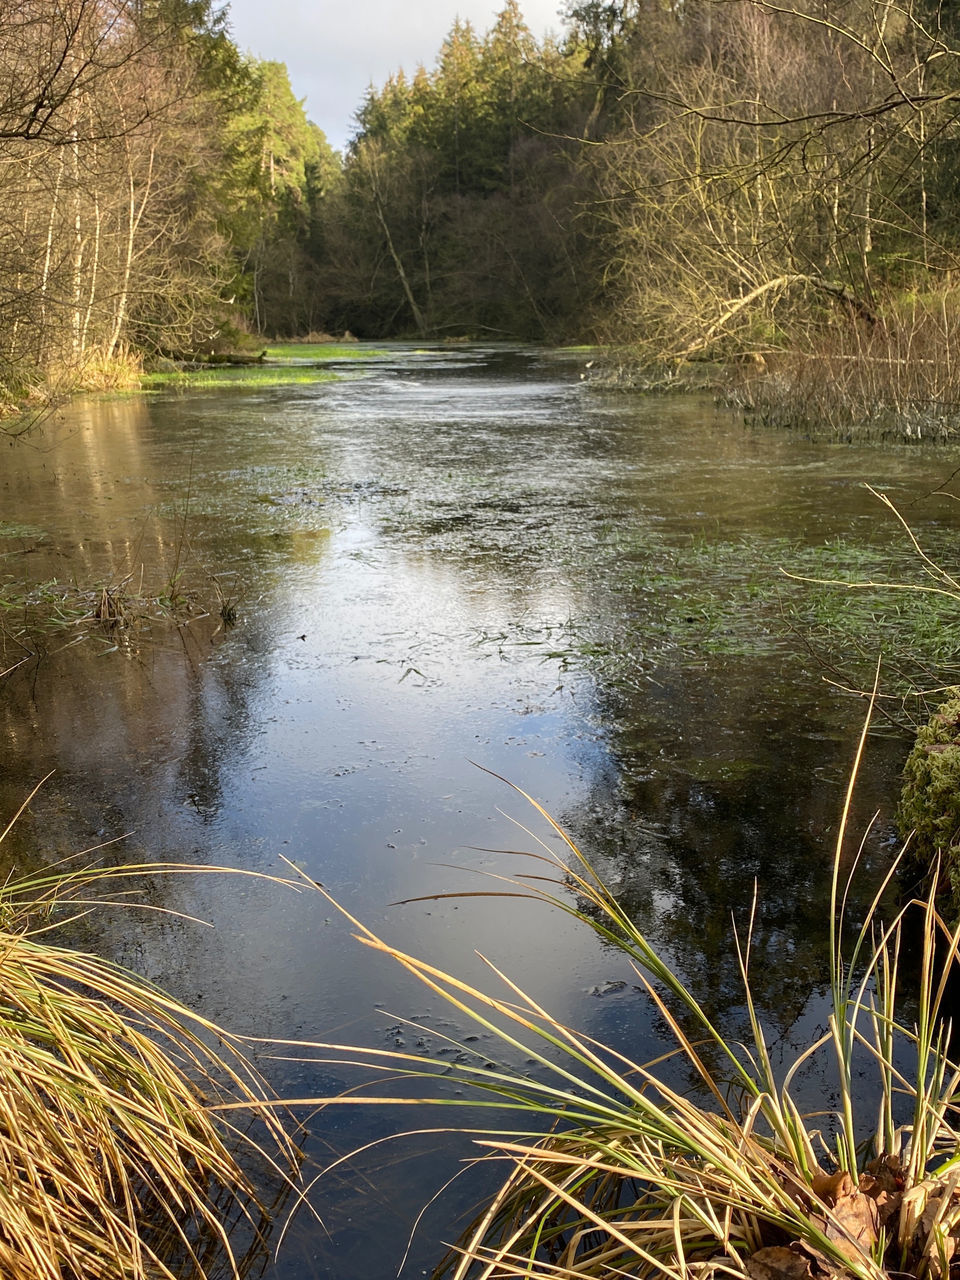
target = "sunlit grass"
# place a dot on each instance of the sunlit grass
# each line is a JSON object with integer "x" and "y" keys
{"x": 607, "y": 1169}
{"x": 255, "y": 376}
{"x": 324, "y": 351}
{"x": 113, "y": 1161}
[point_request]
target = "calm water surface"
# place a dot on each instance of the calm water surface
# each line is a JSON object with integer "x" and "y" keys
{"x": 445, "y": 560}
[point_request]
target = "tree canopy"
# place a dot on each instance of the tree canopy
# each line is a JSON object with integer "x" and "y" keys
{"x": 695, "y": 178}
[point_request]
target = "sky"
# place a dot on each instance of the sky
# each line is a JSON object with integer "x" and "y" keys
{"x": 334, "y": 50}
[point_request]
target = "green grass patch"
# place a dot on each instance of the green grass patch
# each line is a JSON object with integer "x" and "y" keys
{"x": 258, "y": 376}
{"x": 324, "y": 351}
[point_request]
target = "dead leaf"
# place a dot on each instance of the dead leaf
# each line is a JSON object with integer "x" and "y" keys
{"x": 831, "y": 1187}
{"x": 884, "y": 1193}
{"x": 888, "y": 1170}
{"x": 852, "y": 1225}
{"x": 778, "y": 1263}
{"x": 887, "y": 1205}
{"x": 824, "y": 1265}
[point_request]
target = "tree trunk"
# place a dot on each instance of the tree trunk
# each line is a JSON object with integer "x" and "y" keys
{"x": 134, "y": 216}
{"x": 401, "y": 273}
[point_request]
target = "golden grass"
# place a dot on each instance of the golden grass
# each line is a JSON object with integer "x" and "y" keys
{"x": 113, "y": 1161}
{"x": 610, "y": 1171}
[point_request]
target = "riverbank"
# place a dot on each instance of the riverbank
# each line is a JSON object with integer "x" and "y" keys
{"x": 464, "y": 555}
{"x": 888, "y": 375}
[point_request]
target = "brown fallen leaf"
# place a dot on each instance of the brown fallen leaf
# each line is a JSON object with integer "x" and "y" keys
{"x": 822, "y": 1265}
{"x": 888, "y": 1171}
{"x": 777, "y": 1262}
{"x": 831, "y": 1187}
{"x": 885, "y": 1194}
{"x": 852, "y": 1225}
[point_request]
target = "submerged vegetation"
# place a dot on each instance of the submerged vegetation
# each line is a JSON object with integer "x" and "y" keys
{"x": 110, "y": 612}
{"x": 686, "y": 601}
{"x": 257, "y": 376}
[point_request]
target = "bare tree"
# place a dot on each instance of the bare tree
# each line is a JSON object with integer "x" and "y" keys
{"x": 771, "y": 162}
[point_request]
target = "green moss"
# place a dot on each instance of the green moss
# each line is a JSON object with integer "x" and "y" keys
{"x": 323, "y": 351}
{"x": 242, "y": 376}
{"x": 930, "y": 800}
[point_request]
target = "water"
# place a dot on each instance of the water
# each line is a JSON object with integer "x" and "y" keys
{"x": 447, "y": 560}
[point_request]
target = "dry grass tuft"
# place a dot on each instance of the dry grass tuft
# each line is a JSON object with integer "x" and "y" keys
{"x": 608, "y": 1170}
{"x": 95, "y": 370}
{"x": 113, "y": 1160}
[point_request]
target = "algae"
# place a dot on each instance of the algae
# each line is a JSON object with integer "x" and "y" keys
{"x": 19, "y": 529}
{"x": 929, "y": 809}
{"x": 242, "y": 376}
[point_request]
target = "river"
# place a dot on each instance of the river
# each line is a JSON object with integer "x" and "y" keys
{"x": 446, "y": 559}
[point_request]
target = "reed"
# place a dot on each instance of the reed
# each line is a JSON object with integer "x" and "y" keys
{"x": 609, "y": 1170}
{"x": 893, "y": 377}
{"x": 114, "y": 1163}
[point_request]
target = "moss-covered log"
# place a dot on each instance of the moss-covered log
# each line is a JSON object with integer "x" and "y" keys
{"x": 929, "y": 809}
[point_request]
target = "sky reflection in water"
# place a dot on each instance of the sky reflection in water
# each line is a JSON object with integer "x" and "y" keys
{"x": 435, "y": 563}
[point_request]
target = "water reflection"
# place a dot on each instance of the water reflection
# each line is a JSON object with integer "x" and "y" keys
{"x": 462, "y": 557}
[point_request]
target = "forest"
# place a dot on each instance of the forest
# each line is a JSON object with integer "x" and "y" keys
{"x": 682, "y": 180}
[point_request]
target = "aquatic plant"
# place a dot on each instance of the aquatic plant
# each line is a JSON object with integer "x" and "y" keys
{"x": 106, "y": 610}
{"x": 917, "y": 629}
{"x": 610, "y": 1170}
{"x": 246, "y": 377}
{"x": 891, "y": 376}
{"x": 115, "y": 1164}
{"x": 929, "y": 809}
